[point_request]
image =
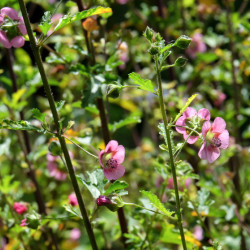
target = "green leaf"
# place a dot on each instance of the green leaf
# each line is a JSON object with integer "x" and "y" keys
{"x": 190, "y": 99}
{"x": 95, "y": 182}
{"x": 144, "y": 84}
{"x": 59, "y": 105}
{"x": 154, "y": 200}
{"x": 67, "y": 19}
{"x": 46, "y": 24}
{"x": 117, "y": 185}
{"x": 73, "y": 210}
{"x": 38, "y": 115}
{"x": 19, "y": 125}
{"x": 167, "y": 47}
{"x": 127, "y": 121}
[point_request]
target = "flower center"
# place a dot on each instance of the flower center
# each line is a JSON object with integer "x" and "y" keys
{"x": 111, "y": 163}
{"x": 216, "y": 142}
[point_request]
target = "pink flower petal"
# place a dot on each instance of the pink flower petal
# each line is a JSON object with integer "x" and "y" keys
{"x": 10, "y": 13}
{"x": 21, "y": 26}
{"x": 209, "y": 153}
{"x": 1, "y": 18}
{"x": 119, "y": 155}
{"x": 224, "y": 138}
{"x": 219, "y": 125}
{"x": 100, "y": 157}
{"x": 206, "y": 126}
{"x": 189, "y": 113}
{"x": 114, "y": 173}
{"x": 181, "y": 122}
{"x": 4, "y": 40}
{"x": 192, "y": 139}
{"x": 111, "y": 146}
{"x": 204, "y": 114}
{"x": 17, "y": 42}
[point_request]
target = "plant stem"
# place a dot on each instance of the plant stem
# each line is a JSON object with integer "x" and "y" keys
{"x": 167, "y": 131}
{"x": 38, "y": 59}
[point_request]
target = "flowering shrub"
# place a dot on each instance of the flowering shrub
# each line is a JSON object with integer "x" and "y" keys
{"x": 164, "y": 82}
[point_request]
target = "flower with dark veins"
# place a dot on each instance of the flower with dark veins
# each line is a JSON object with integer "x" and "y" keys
{"x": 111, "y": 158}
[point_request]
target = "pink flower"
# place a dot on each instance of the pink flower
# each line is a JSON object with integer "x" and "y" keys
{"x": 23, "y": 223}
{"x": 188, "y": 182}
{"x": 190, "y": 118}
{"x": 55, "y": 172}
{"x": 197, "y": 45}
{"x": 111, "y": 159}
{"x": 122, "y": 1}
{"x": 10, "y": 36}
{"x": 73, "y": 200}
{"x": 103, "y": 200}
{"x": 75, "y": 234}
{"x": 198, "y": 233}
{"x": 215, "y": 137}
{"x": 20, "y": 208}
{"x": 220, "y": 99}
{"x": 53, "y": 167}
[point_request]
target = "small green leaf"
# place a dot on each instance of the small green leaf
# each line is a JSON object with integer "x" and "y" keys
{"x": 38, "y": 115}
{"x": 154, "y": 200}
{"x": 59, "y": 105}
{"x": 67, "y": 19}
{"x": 73, "y": 210}
{"x": 185, "y": 106}
{"x": 19, "y": 125}
{"x": 117, "y": 185}
{"x": 143, "y": 84}
{"x": 46, "y": 24}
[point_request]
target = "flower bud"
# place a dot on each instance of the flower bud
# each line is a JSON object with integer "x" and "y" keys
{"x": 112, "y": 204}
{"x": 32, "y": 221}
{"x": 154, "y": 50}
{"x": 149, "y": 34}
{"x": 113, "y": 91}
{"x": 183, "y": 42}
{"x": 55, "y": 148}
{"x": 180, "y": 61}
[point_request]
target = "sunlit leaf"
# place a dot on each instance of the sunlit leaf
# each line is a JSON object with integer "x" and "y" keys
{"x": 190, "y": 99}
{"x": 143, "y": 84}
{"x": 154, "y": 200}
{"x": 117, "y": 185}
{"x": 67, "y": 19}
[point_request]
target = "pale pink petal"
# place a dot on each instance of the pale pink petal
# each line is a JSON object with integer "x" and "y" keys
{"x": 198, "y": 233}
{"x": 206, "y": 126}
{"x": 21, "y": 26}
{"x": 10, "y": 13}
{"x": 75, "y": 234}
{"x": 204, "y": 114}
{"x": 181, "y": 122}
{"x": 224, "y": 138}
{"x": 17, "y": 42}
{"x": 114, "y": 173}
{"x": 51, "y": 157}
{"x": 219, "y": 125}
{"x": 4, "y": 40}
{"x": 209, "y": 153}
{"x": 111, "y": 146}
{"x": 202, "y": 153}
{"x": 189, "y": 113}
{"x": 1, "y": 18}
{"x": 119, "y": 154}
{"x": 192, "y": 139}
{"x": 100, "y": 158}
{"x": 188, "y": 182}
